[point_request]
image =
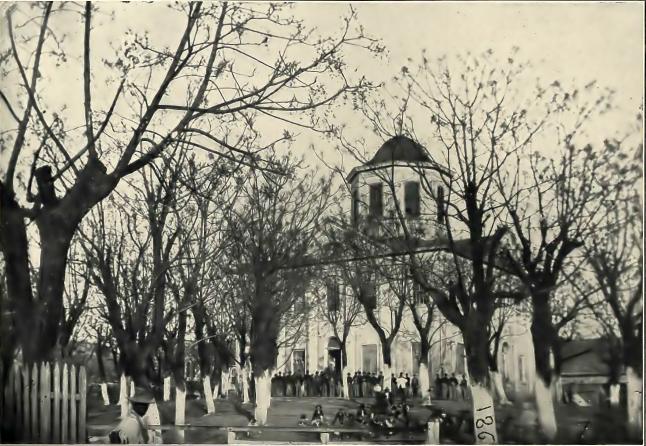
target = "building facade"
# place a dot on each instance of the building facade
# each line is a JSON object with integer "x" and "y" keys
{"x": 402, "y": 182}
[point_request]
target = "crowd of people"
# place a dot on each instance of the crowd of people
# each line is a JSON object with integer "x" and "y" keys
{"x": 450, "y": 388}
{"x": 327, "y": 383}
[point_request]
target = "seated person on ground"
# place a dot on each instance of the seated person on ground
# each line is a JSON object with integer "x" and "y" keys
{"x": 133, "y": 428}
{"x": 340, "y": 416}
{"x": 302, "y": 421}
{"x": 317, "y": 417}
{"x": 362, "y": 414}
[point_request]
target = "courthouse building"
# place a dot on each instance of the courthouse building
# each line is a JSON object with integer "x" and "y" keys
{"x": 398, "y": 166}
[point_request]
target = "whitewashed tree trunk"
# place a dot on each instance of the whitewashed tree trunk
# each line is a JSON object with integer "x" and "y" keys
{"x": 614, "y": 395}
{"x": 263, "y": 397}
{"x": 224, "y": 379}
{"x": 634, "y": 395}
{"x": 386, "y": 370}
{"x": 424, "y": 382}
{"x": 123, "y": 395}
{"x": 216, "y": 391}
{"x": 208, "y": 394}
{"x": 501, "y": 395}
{"x": 132, "y": 387}
{"x": 344, "y": 382}
{"x": 180, "y": 411}
{"x": 167, "y": 388}
{"x": 484, "y": 417}
{"x": 152, "y": 418}
{"x": 104, "y": 394}
{"x": 545, "y": 408}
{"x": 245, "y": 384}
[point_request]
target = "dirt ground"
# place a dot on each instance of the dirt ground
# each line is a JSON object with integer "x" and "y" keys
{"x": 285, "y": 411}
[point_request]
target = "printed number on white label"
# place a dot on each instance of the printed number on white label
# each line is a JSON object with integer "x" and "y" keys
{"x": 484, "y": 418}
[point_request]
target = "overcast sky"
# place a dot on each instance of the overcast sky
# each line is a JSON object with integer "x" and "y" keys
{"x": 575, "y": 42}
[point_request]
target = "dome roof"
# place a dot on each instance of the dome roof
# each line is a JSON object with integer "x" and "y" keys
{"x": 400, "y": 148}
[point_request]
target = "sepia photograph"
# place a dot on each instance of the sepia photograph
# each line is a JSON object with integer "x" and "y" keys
{"x": 266, "y": 223}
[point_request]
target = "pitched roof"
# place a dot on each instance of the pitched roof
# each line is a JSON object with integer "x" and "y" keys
{"x": 585, "y": 357}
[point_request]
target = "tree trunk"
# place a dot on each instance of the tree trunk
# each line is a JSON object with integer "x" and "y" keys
{"x": 167, "y": 388}
{"x": 614, "y": 394}
{"x": 424, "y": 378}
{"x": 123, "y": 395}
{"x": 180, "y": 409}
{"x": 543, "y": 338}
{"x": 387, "y": 358}
{"x": 634, "y": 394}
{"x": 499, "y": 388}
{"x": 263, "y": 396}
{"x": 208, "y": 394}
{"x": 245, "y": 383}
{"x": 477, "y": 350}
{"x": 424, "y": 383}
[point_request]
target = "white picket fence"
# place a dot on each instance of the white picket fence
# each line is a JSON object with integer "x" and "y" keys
{"x": 44, "y": 403}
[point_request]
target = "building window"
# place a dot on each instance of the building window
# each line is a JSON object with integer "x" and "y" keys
{"x": 376, "y": 200}
{"x": 411, "y": 198}
{"x": 522, "y": 373}
{"x": 369, "y": 358}
{"x": 355, "y": 206}
{"x": 332, "y": 296}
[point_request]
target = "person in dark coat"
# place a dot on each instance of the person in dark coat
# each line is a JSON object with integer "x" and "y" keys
{"x": 355, "y": 385}
{"x": 360, "y": 383}
{"x": 362, "y": 414}
{"x": 414, "y": 384}
{"x": 274, "y": 385}
{"x": 340, "y": 416}
{"x": 453, "y": 385}
{"x": 464, "y": 388}
{"x": 318, "y": 417}
{"x": 381, "y": 379}
{"x": 438, "y": 387}
{"x": 289, "y": 384}
{"x": 307, "y": 380}
{"x": 408, "y": 387}
{"x": 317, "y": 384}
{"x": 348, "y": 379}
{"x": 393, "y": 382}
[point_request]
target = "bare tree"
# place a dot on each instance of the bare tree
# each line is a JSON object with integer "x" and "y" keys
{"x": 273, "y": 229}
{"x": 614, "y": 253}
{"x": 221, "y": 47}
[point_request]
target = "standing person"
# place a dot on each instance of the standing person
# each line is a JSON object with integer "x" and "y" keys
{"x": 408, "y": 388}
{"x": 401, "y": 387}
{"x": 288, "y": 383}
{"x": 317, "y": 384}
{"x": 438, "y": 387}
{"x": 415, "y": 386}
{"x": 307, "y": 381}
{"x": 393, "y": 382}
{"x": 445, "y": 386}
{"x": 381, "y": 379}
{"x": 348, "y": 379}
{"x": 360, "y": 381}
{"x": 355, "y": 385}
{"x": 464, "y": 388}
{"x": 454, "y": 387}
{"x": 299, "y": 383}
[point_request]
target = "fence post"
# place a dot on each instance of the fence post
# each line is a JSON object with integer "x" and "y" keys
{"x": 25, "y": 403}
{"x": 45, "y": 413}
{"x": 73, "y": 426}
{"x": 17, "y": 387}
{"x": 57, "y": 403}
{"x": 34, "y": 402}
{"x": 82, "y": 438}
{"x": 65, "y": 401}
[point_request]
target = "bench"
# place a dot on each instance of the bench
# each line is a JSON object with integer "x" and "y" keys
{"x": 324, "y": 432}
